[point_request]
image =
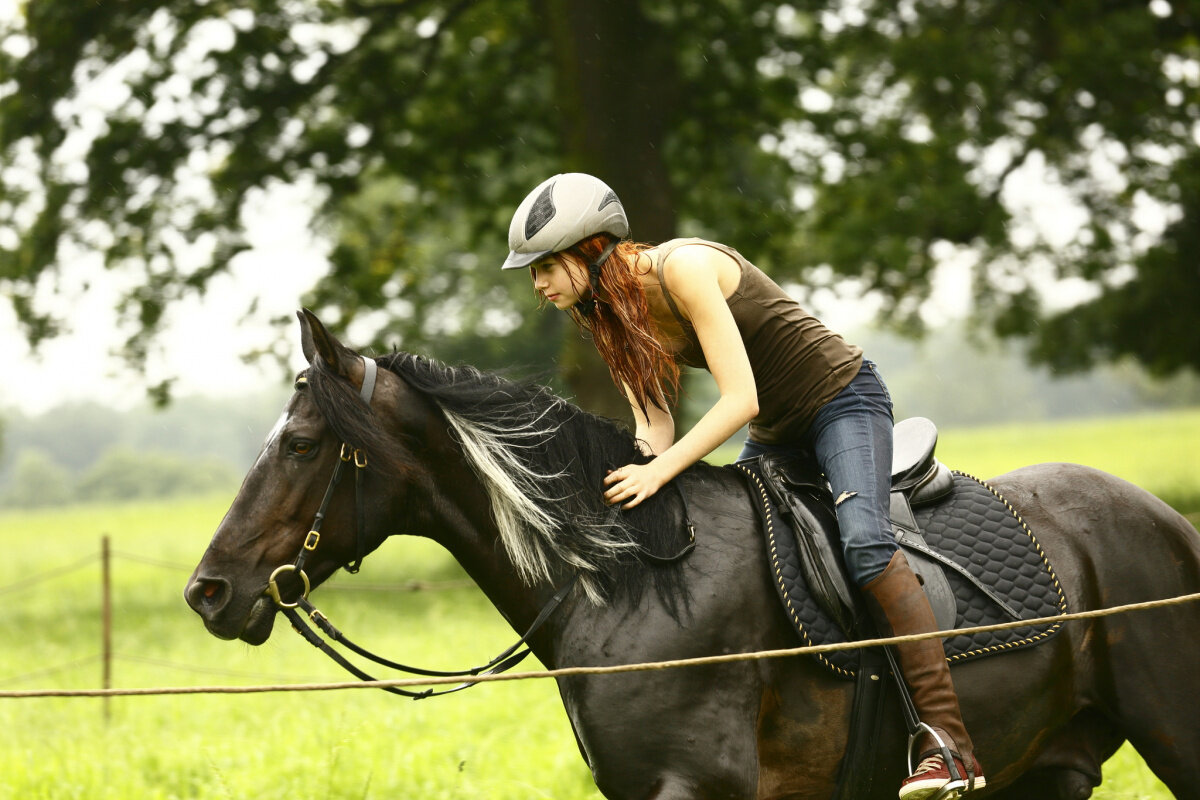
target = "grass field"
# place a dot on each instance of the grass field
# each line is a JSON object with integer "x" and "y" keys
{"x": 508, "y": 740}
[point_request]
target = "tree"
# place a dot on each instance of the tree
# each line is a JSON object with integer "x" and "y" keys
{"x": 37, "y": 481}
{"x": 72, "y": 435}
{"x": 456, "y": 110}
{"x": 936, "y": 112}
{"x": 120, "y": 475}
{"x": 424, "y": 124}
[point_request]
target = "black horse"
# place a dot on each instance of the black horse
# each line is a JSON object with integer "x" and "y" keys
{"x": 506, "y": 477}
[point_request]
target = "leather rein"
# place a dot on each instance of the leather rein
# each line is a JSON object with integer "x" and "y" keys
{"x": 506, "y": 660}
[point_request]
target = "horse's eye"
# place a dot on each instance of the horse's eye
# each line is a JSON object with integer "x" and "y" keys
{"x": 301, "y": 447}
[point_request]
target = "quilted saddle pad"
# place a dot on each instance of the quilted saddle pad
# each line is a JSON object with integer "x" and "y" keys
{"x": 972, "y": 526}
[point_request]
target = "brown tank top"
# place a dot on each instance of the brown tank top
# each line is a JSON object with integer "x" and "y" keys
{"x": 799, "y": 365}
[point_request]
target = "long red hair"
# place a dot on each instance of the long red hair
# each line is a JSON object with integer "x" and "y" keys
{"x": 619, "y": 321}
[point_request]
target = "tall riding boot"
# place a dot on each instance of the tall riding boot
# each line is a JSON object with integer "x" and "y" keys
{"x": 899, "y": 607}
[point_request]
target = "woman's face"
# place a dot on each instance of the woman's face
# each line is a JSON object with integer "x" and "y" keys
{"x": 561, "y": 279}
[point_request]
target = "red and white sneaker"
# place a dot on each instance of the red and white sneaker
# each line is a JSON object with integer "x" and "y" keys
{"x": 932, "y": 776}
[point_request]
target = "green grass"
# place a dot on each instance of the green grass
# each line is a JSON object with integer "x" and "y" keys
{"x": 507, "y": 740}
{"x": 1159, "y": 452}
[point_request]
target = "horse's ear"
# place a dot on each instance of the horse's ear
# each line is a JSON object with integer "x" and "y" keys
{"x": 316, "y": 341}
{"x": 307, "y": 321}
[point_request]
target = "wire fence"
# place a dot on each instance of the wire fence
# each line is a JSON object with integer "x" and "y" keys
{"x": 49, "y": 575}
{"x": 107, "y": 656}
{"x": 604, "y": 670}
{"x": 48, "y": 671}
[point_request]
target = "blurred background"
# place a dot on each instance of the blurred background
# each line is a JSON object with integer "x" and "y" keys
{"x": 998, "y": 199}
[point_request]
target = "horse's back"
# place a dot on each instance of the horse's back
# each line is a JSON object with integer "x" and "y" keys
{"x": 1129, "y": 541}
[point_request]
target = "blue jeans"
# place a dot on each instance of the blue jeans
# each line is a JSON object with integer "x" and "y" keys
{"x": 851, "y": 437}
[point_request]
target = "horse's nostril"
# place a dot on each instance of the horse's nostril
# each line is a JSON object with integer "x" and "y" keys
{"x": 207, "y": 596}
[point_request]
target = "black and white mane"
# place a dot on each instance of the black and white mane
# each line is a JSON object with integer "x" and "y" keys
{"x": 542, "y": 461}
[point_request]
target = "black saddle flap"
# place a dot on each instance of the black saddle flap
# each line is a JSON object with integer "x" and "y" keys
{"x": 803, "y": 498}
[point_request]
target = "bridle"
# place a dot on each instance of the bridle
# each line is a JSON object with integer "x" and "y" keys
{"x": 348, "y": 454}
{"x": 313, "y": 538}
{"x": 506, "y": 660}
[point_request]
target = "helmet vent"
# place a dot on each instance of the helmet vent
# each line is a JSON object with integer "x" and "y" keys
{"x": 608, "y": 200}
{"x": 541, "y": 213}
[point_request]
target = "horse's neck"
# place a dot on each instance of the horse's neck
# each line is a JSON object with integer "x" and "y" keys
{"x": 459, "y": 518}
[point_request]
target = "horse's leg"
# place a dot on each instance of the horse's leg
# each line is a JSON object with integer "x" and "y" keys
{"x": 678, "y": 734}
{"x": 1155, "y": 691}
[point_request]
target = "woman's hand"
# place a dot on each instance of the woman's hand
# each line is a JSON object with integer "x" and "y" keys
{"x": 633, "y": 483}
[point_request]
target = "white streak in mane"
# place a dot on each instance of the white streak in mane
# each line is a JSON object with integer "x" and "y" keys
{"x": 522, "y": 508}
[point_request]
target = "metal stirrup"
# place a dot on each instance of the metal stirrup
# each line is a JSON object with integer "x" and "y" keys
{"x": 951, "y": 788}
{"x": 957, "y": 784}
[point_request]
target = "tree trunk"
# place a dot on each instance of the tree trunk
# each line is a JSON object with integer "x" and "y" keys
{"x": 614, "y": 89}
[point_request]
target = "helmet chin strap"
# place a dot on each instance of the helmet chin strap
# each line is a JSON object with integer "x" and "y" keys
{"x": 586, "y": 307}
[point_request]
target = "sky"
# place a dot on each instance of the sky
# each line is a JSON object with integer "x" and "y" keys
{"x": 204, "y": 337}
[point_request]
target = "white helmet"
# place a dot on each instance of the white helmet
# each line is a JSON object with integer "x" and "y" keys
{"x": 561, "y": 211}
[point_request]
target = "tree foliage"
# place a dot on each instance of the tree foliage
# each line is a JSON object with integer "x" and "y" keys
{"x": 121, "y": 475}
{"x": 37, "y": 481}
{"x": 940, "y": 106}
{"x": 824, "y": 139}
{"x": 118, "y": 475}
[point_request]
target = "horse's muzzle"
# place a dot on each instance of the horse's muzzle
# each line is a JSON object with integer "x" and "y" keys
{"x": 212, "y": 598}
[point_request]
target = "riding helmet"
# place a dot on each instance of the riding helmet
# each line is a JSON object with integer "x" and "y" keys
{"x": 561, "y": 211}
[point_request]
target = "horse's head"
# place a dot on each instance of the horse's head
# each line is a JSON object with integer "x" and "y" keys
{"x": 504, "y": 474}
{"x": 290, "y": 492}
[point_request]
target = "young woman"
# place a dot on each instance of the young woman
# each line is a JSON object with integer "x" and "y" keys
{"x": 776, "y": 367}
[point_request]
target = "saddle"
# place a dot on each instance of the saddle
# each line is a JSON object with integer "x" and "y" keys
{"x": 977, "y": 560}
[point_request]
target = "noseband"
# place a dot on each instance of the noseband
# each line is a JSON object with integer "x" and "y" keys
{"x": 506, "y": 660}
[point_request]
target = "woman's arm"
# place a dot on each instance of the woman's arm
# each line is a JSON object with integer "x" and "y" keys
{"x": 655, "y": 427}
{"x": 694, "y": 274}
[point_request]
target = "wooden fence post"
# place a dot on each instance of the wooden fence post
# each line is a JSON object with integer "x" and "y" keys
{"x": 106, "y": 621}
